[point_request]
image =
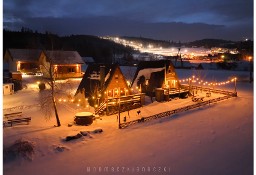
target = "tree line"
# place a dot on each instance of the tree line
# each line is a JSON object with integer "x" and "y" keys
{"x": 87, "y": 46}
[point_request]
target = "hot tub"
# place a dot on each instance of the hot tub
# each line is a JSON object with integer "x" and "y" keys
{"x": 84, "y": 118}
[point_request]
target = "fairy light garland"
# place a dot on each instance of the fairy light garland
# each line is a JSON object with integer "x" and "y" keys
{"x": 193, "y": 79}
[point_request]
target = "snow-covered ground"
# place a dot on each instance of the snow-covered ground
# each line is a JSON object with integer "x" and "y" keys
{"x": 215, "y": 139}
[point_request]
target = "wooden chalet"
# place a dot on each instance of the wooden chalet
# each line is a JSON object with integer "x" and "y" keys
{"x": 64, "y": 64}
{"x": 23, "y": 60}
{"x": 105, "y": 88}
{"x": 152, "y": 75}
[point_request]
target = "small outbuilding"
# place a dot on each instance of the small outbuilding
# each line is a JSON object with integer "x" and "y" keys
{"x": 64, "y": 64}
{"x": 23, "y": 60}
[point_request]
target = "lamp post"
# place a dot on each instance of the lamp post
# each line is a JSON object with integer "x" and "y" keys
{"x": 119, "y": 122}
{"x": 250, "y": 68}
{"x": 235, "y": 85}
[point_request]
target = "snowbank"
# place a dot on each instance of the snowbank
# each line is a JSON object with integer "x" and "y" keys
{"x": 215, "y": 139}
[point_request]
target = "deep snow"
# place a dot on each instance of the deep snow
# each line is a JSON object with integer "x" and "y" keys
{"x": 215, "y": 139}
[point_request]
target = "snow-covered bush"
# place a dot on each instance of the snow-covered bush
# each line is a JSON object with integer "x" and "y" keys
{"x": 21, "y": 148}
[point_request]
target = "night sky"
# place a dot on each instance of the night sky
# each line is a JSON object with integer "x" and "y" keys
{"x": 177, "y": 20}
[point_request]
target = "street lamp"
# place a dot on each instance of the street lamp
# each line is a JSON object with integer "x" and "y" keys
{"x": 119, "y": 122}
{"x": 235, "y": 85}
{"x": 250, "y": 68}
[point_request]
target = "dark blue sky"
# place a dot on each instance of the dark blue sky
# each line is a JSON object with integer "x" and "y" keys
{"x": 184, "y": 20}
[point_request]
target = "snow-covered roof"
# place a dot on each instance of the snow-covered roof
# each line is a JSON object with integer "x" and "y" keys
{"x": 91, "y": 78}
{"x": 185, "y": 64}
{"x": 31, "y": 55}
{"x": 64, "y": 57}
{"x": 210, "y": 66}
{"x": 88, "y": 59}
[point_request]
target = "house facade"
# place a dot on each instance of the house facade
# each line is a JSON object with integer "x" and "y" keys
{"x": 63, "y": 64}
{"x": 23, "y": 60}
{"x": 104, "y": 80}
{"x": 155, "y": 74}
{"x": 105, "y": 88}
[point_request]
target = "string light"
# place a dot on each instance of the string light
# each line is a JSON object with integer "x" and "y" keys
{"x": 202, "y": 82}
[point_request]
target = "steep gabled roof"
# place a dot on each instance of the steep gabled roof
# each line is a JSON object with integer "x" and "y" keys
{"x": 151, "y": 64}
{"x": 89, "y": 84}
{"x": 28, "y": 55}
{"x": 64, "y": 57}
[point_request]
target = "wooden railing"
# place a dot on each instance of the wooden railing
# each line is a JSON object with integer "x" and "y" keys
{"x": 182, "y": 109}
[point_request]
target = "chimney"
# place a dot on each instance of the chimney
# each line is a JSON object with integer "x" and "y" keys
{"x": 102, "y": 75}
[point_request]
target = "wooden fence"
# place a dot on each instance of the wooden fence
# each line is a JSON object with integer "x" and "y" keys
{"x": 182, "y": 109}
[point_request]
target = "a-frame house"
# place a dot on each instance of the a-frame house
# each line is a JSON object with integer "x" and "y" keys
{"x": 152, "y": 75}
{"x": 104, "y": 87}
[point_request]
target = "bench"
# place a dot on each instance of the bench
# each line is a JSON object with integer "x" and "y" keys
{"x": 197, "y": 99}
{"x": 17, "y": 121}
{"x": 12, "y": 115}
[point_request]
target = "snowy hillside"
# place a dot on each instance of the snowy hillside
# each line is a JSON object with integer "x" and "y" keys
{"x": 213, "y": 140}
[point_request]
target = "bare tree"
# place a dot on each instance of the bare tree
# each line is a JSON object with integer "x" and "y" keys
{"x": 48, "y": 97}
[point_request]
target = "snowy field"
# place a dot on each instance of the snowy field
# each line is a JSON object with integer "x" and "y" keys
{"x": 212, "y": 140}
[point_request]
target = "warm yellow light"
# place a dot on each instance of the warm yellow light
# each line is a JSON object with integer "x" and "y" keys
{"x": 64, "y": 100}
{"x": 78, "y": 104}
{"x": 60, "y": 100}
{"x": 79, "y": 99}
{"x": 38, "y": 82}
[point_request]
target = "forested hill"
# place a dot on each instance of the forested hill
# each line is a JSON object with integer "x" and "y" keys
{"x": 91, "y": 46}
